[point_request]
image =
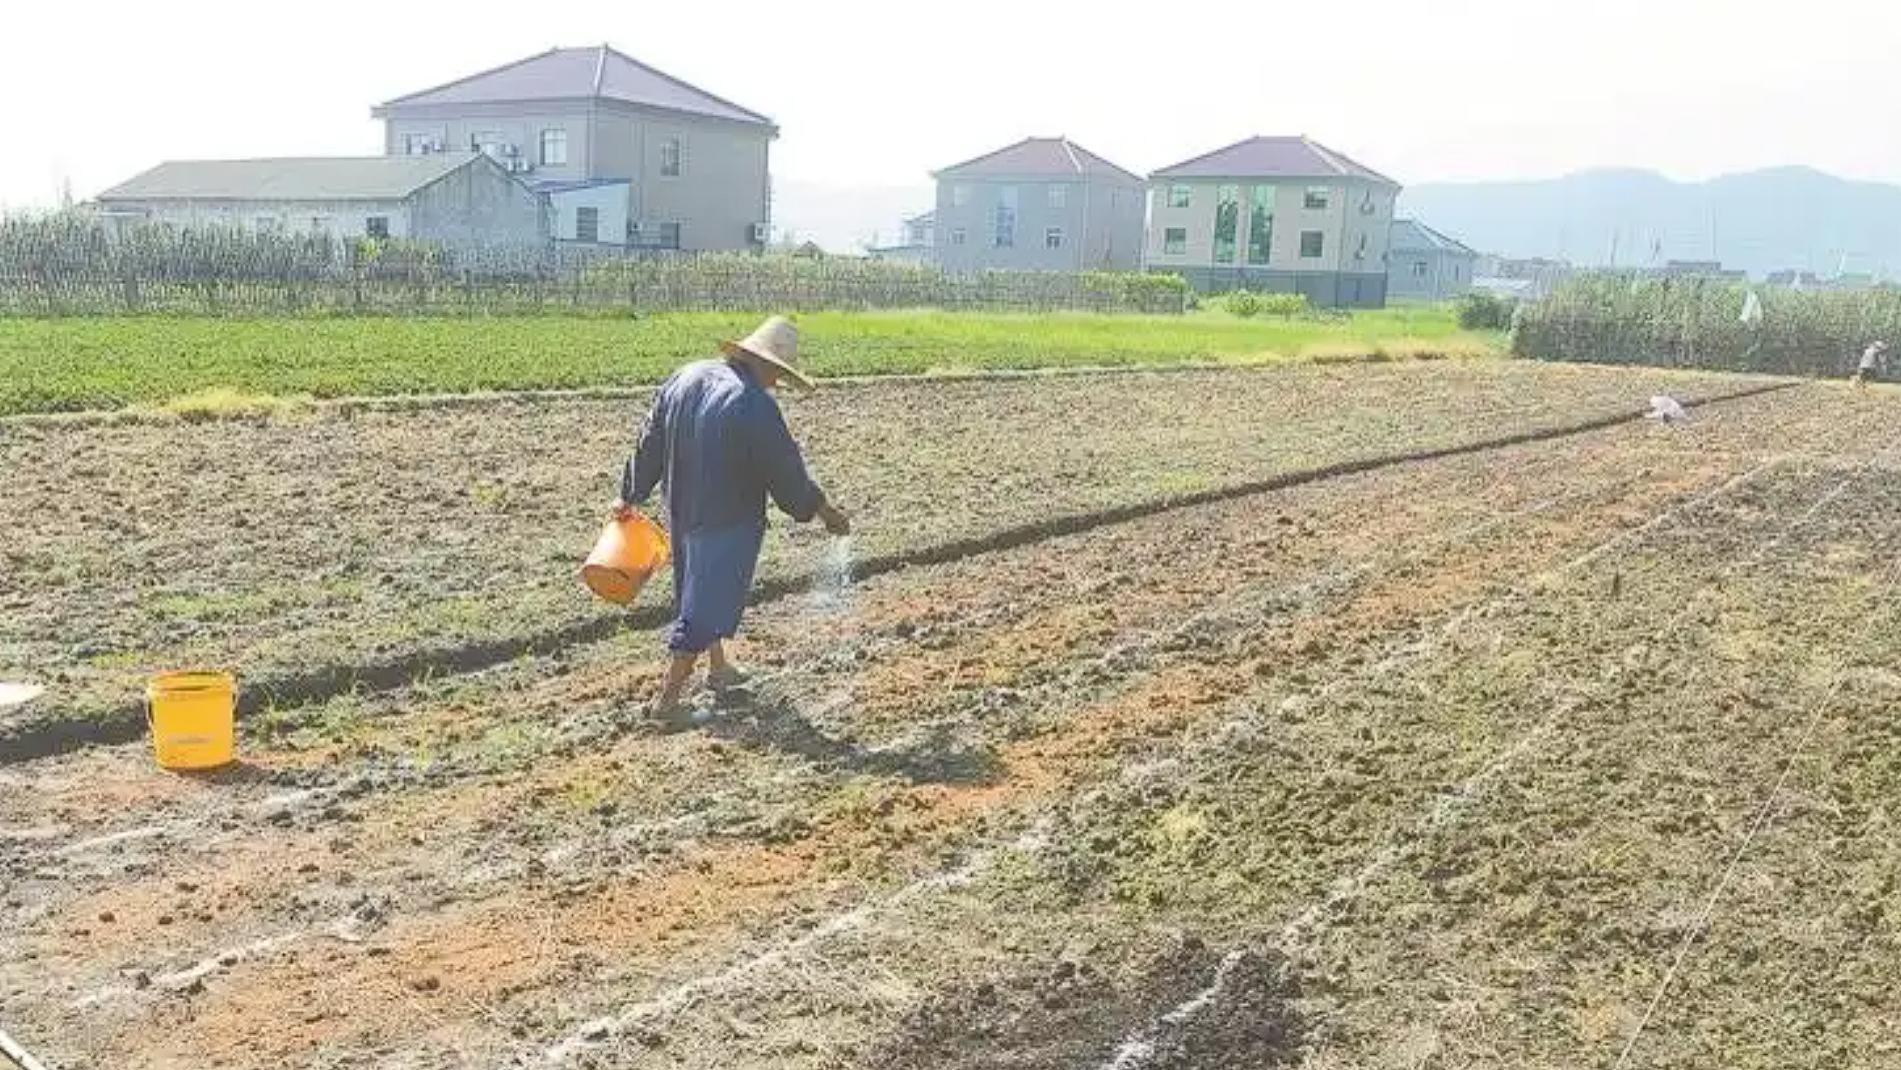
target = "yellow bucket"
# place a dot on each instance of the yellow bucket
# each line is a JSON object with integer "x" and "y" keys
{"x": 194, "y": 719}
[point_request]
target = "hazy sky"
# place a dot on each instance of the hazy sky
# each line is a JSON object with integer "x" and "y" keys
{"x": 875, "y": 94}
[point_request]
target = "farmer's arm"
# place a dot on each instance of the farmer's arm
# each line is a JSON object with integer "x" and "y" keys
{"x": 778, "y": 458}
{"x": 649, "y": 461}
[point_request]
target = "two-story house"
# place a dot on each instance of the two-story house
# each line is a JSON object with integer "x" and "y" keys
{"x": 626, "y": 154}
{"x": 1042, "y": 204}
{"x": 1276, "y": 214}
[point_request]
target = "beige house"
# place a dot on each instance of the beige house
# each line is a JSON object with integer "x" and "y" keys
{"x": 1276, "y": 214}
{"x": 589, "y": 125}
{"x": 452, "y": 198}
{"x": 1042, "y": 204}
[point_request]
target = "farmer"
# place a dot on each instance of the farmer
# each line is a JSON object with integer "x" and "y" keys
{"x": 1871, "y": 360}
{"x": 716, "y": 438}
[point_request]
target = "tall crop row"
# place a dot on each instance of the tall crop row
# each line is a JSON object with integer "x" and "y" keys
{"x": 73, "y": 265}
{"x": 1707, "y": 323}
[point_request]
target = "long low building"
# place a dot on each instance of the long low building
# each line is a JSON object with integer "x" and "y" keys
{"x": 454, "y": 198}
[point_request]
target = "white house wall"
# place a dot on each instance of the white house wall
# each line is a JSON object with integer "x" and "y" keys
{"x": 346, "y": 219}
{"x": 609, "y": 201}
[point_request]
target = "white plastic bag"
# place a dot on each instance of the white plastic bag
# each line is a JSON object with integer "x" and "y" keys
{"x": 1666, "y": 409}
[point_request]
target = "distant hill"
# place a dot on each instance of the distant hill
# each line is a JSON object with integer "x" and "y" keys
{"x": 1759, "y": 221}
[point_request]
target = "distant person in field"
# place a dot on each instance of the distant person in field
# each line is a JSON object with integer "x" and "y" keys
{"x": 718, "y": 441}
{"x": 1872, "y": 358}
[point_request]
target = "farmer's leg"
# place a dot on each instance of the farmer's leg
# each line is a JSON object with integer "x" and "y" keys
{"x": 679, "y": 670}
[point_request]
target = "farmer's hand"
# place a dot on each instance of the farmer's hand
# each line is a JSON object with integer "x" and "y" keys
{"x": 834, "y": 519}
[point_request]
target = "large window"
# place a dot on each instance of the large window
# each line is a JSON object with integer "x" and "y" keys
{"x": 1058, "y": 196}
{"x": 959, "y": 235}
{"x": 376, "y": 226}
{"x": 1180, "y": 196}
{"x": 1318, "y": 198}
{"x": 1260, "y": 224}
{"x": 1175, "y": 241}
{"x": 587, "y": 224}
{"x": 1053, "y": 238}
{"x": 490, "y": 143}
{"x": 1227, "y": 222}
{"x": 1005, "y": 232}
{"x": 1313, "y": 244}
{"x": 418, "y": 144}
{"x": 554, "y": 148}
{"x": 960, "y": 195}
{"x": 1419, "y": 269}
{"x": 670, "y": 158}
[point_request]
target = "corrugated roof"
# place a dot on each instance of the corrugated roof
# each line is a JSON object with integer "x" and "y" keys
{"x": 323, "y": 178}
{"x": 1410, "y": 235}
{"x": 1040, "y": 157}
{"x": 1273, "y": 157}
{"x": 599, "y": 72}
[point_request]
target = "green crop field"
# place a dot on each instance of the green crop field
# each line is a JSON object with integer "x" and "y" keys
{"x": 49, "y": 365}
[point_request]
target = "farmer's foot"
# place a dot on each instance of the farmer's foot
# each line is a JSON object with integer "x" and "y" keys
{"x": 727, "y": 677}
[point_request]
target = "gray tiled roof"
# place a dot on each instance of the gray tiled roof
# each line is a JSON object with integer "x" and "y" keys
{"x": 1273, "y": 157}
{"x": 1040, "y": 157}
{"x": 593, "y": 73}
{"x": 1410, "y": 235}
{"x": 323, "y": 178}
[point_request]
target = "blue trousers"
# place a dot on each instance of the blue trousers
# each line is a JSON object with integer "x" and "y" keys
{"x": 712, "y": 575}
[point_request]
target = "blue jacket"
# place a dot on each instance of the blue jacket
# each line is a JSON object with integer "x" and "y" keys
{"x": 718, "y": 441}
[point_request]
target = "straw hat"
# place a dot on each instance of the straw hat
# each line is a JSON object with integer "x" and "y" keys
{"x": 776, "y": 342}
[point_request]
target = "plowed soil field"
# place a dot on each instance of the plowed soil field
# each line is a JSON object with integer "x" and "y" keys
{"x": 1574, "y": 751}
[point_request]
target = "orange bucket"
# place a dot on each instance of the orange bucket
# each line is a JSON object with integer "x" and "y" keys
{"x": 625, "y": 557}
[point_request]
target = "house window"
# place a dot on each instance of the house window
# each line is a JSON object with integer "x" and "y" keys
{"x": 1227, "y": 222}
{"x": 554, "y": 148}
{"x": 1180, "y": 196}
{"x": 1419, "y": 269}
{"x": 1058, "y": 197}
{"x": 1175, "y": 241}
{"x": 489, "y": 143}
{"x": 670, "y": 158}
{"x": 587, "y": 224}
{"x": 1004, "y": 234}
{"x": 1053, "y": 238}
{"x": 960, "y": 196}
{"x": 1260, "y": 224}
{"x": 376, "y": 226}
{"x": 418, "y": 144}
{"x": 1318, "y": 197}
{"x": 1313, "y": 244}
{"x": 958, "y": 235}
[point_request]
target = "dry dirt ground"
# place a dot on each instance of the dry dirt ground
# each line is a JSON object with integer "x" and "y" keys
{"x": 346, "y": 544}
{"x": 1579, "y": 752}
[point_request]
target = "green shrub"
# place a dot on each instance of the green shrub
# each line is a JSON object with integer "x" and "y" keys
{"x": 1480, "y": 311}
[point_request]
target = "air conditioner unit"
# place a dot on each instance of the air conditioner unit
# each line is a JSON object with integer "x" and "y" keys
{"x": 761, "y": 233}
